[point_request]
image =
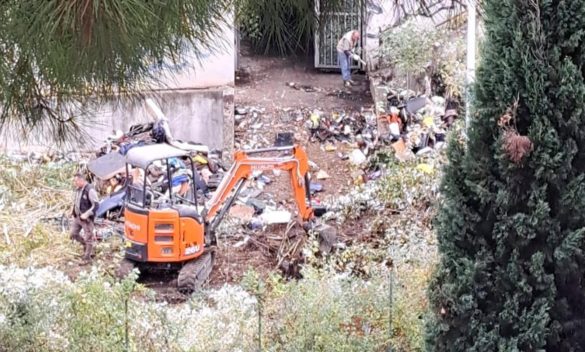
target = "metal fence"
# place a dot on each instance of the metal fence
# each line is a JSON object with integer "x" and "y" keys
{"x": 330, "y": 30}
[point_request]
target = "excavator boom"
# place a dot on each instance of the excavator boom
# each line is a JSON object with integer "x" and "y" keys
{"x": 292, "y": 159}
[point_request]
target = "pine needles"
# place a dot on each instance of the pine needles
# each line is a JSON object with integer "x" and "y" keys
{"x": 58, "y": 53}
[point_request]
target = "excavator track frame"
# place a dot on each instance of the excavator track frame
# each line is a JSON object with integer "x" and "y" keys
{"x": 195, "y": 273}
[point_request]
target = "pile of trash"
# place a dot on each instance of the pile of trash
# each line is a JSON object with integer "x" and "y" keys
{"x": 412, "y": 125}
{"x": 254, "y": 208}
{"x": 416, "y": 125}
{"x": 357, "y": 127}
{"x": 107, "y": 170}
{"x": 251, "y": 123}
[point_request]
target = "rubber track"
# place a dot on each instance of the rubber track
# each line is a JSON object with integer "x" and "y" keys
{"x": 193, "y": 274}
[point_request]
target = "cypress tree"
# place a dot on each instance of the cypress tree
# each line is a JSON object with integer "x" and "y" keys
{"x": 511, "y": 224}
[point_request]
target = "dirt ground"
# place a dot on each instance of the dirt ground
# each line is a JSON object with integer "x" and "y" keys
{"x": 262, "y": 83}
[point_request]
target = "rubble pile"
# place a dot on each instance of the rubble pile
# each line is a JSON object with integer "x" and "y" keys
{"x": 249, "y": 119}
{"x": 415, "y": 125}
{"x": 280, "y": 246}
{"x": 256, "y": 212}
{"x": 252, "y": 125}
{"x": 408, "y": 128}
{"x": 355, "y": 128}
{"x": 411, "y": 125}
{"x": 108, "y": 170}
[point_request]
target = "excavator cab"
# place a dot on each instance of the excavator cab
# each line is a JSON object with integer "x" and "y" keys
{"x": 163, "y": 222}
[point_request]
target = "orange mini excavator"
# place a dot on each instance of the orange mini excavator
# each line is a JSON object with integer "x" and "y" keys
{"x": 164, "y": 230}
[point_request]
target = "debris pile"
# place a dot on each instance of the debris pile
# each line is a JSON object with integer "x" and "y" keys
{"x": 410, "y": 125}
{"x": 248, "y": 119}
{"x": 356, "y": 128}
{"x": 415, "y": 125}
{"x": 253, "y": 123}
{"x": 108, "y": 169}
{"x": 304, "y": 87}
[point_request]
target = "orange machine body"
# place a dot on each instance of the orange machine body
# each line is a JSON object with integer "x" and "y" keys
{"x": 162, "y": 236}
{"x": 179, "y": 233}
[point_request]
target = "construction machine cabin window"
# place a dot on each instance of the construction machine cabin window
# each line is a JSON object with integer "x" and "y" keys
{"x": 137, "y": 189}
{"x": 162, "y": 184}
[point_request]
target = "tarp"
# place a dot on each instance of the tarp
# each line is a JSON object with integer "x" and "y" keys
{"x": 107, "y": 166}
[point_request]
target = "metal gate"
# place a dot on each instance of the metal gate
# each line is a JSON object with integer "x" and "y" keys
{"x": 330, "y": 30}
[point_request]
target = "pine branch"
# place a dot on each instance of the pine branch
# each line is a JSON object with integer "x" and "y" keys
{"x": 71, "y": 52}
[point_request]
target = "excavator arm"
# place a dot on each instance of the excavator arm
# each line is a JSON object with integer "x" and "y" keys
{"x": 292, "y": 159}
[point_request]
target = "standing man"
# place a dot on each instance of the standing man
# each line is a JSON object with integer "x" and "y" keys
{"x": 84, "y": 209}
{"x": 345, "y": 53}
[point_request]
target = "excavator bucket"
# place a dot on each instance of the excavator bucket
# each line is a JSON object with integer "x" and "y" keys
{"x": 319, "y": 210}
{"x": 289, "y": 255}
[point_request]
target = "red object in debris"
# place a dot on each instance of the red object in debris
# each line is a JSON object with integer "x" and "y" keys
{"x": 392, "y": 118}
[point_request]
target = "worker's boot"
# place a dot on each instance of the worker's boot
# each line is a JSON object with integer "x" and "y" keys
{"x": 88, "y": 253}
{"x": 347, "y": 84}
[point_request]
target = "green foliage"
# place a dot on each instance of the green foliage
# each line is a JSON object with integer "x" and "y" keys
{"x": 280, "y": 26}
{"x": 42, "y": 310}
{"x": 334, "y": 312}
{"x": 31, "y": 194}
{"x": 25, "y": 321}
{"x": 396, "y": 212}
{"x": 408, "y": 48}
{"x": 58, "y": 53}
{"x": 87, "y": 323}
{"x": 409, "y": 306}
{"x": 451, "y": 65}
{"x": 325, "y": 312}
{"x": 510, "y": 228}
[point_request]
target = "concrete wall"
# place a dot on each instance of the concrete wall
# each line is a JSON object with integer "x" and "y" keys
{"x": 195, "y": 115}
{"x": 213, "y": 68}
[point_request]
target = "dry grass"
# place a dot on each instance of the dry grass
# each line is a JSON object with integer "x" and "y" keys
{"x": 33, "y": 199}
